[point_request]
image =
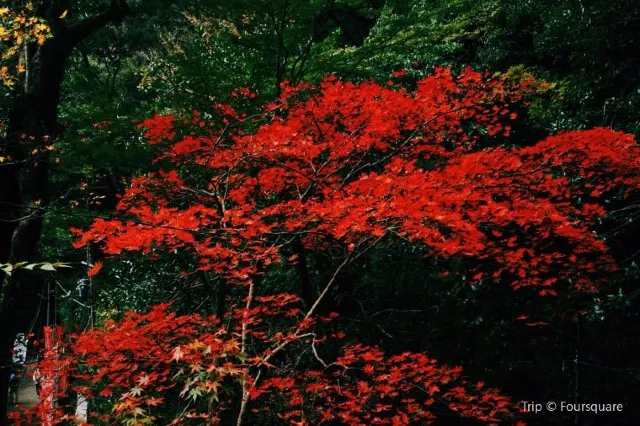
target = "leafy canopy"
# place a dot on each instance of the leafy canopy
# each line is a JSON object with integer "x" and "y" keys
{"x": 343, "y": 169}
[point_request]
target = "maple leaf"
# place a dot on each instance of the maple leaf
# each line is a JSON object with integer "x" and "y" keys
{"x": 154, "y": 402}
{"x": 106, "y": 392}
{"x": 143, "y": 380}
{"x": 433, "y": 389}
{"x": 94, "y": 269}
{"x": 177, "y": 354}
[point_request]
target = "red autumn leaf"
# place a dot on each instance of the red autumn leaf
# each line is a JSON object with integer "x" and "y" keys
{"x": 94, "y": 269}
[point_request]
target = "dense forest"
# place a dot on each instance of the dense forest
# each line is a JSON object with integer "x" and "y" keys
{"x": 320, "y": 212}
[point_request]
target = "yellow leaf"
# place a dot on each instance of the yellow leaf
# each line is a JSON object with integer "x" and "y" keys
{"x": 64, "y": 14}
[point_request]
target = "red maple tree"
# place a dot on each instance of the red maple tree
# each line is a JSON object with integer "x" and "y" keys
{"x": 343, "y": 168}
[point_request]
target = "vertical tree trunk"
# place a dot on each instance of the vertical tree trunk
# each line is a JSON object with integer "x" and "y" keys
{"x": 306, "y": 287}
{"x": 24, "y": 181}
{"x": 31, "y": 127}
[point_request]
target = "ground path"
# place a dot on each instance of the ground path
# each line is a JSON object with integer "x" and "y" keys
{"x": 27, "y": 395}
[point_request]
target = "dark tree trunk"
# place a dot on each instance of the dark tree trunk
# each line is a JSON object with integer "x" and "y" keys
{"x": 306, "y": 286}
{"x": 24, "y": 179}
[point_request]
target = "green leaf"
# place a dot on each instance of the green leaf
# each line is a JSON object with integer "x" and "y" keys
{"x": 194, "y": 394}
{"x": 7, "y": 268}
{"x": 47, "y": 267}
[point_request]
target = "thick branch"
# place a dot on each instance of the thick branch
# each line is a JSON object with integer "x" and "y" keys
{"x": 117, "y": 11}
{"x": 243, "y": 348}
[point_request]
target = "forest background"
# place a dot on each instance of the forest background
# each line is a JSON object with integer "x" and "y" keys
{"x": 109, "y": 66}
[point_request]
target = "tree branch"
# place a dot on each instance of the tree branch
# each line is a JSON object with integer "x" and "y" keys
{"x": 117, "y": 11}
{"x": 244, "y": 404}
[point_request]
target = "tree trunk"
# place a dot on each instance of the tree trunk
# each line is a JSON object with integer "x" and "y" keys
{"x": 306, "y": 287}
{"x": 24, "y": 179}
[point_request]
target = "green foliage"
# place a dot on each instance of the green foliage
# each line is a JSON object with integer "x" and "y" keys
{"x": 588, "y": 47}
{"x": 9, "y": 268}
